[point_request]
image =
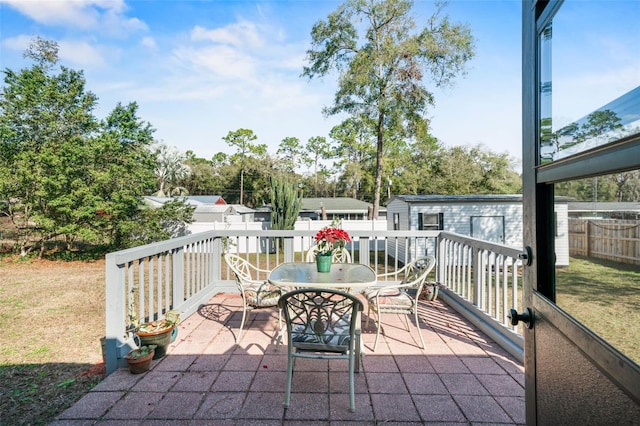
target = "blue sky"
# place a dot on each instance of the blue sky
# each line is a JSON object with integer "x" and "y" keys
{"x": 199, "y": 69}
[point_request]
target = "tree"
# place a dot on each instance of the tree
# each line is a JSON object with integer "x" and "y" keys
{"x": 124, "y": 170}
{"x": 319, "y": 149}
{"x": 382, "y": 71}
{"x": 484, "y": 172}
{"x": 242, "y": 140}
{"x": 291, "y": 153}
{"x": 45, "y": 122}
{"x": 171, "y": 169}
{"x": 63, "y": 172}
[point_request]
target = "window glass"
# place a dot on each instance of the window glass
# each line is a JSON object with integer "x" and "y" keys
{"x": 601, "y": 285}
{"x": 590, "y": 77}
{"x": 430, "y": 221}
{"x": 590, "y": 98}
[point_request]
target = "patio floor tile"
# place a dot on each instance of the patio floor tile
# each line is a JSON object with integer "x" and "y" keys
{"x": 178, "y": 405}
{"x": 394, "y": 407}
{"x": 478, "y": 408}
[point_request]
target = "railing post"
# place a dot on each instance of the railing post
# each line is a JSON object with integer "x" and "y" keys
{"x": 216, "y": 260}
{"x": 364, "y": 247}
{"x": 178, "y": 281}
{"x": 477, "y": 277}
{"x": 115, "y": 305}
{"x": 288, "y": 249}
{"x": 442, "y": 260}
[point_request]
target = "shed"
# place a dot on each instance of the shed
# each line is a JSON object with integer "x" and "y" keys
{"x": 488, "y": 217}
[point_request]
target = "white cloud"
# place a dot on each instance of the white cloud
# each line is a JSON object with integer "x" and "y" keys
{"x": 239, "y": 59}
{"x": 81, "y": 53}
{"x": 242, "y": 34}
{"x": 19, "y": 43}
{"x": 103, "y": 15}
{"x": 149, "y": 42}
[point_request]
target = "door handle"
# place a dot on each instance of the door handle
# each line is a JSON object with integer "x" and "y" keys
{"x": 526, "y": 317}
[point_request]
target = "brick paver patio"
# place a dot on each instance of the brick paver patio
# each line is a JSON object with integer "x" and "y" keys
{"x": 462, "y": 377}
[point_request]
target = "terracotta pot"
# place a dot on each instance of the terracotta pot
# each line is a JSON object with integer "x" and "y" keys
{"x": 139, "y": 365}
{"x": 161, "y": 339}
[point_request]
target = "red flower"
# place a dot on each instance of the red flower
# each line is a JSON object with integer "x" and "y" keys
{"x": 331, "y": 238}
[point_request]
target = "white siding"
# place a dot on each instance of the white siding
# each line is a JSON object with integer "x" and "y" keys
{"x": 457, "y": 218}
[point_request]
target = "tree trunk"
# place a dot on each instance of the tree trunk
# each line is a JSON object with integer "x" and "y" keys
{"x": 379, "y": 159}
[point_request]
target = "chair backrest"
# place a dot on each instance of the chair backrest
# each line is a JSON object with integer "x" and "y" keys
{"x": 320, "y": 319}
{"x": 339, "y": 256}
{"x": 244, "y": 271}
{"x": 416, "y": 272}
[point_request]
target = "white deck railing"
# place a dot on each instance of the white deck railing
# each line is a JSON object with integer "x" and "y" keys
{"x": 143, "y": 283}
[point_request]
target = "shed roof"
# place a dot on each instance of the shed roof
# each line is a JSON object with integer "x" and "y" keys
{"x": 470, "y": 198}
{"x": 433, "y": 198}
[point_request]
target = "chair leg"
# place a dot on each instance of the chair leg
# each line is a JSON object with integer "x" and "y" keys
{"x": 378, "y": 327}
{"x": 352, "y": 386}
{"x": 287, "y": 392}
{"x": 281, "y": 330}
{"x": 366, "y": 324}
{"x": 407, "y": 323}
{"x": 245, "y": 316}
{"x": 418, "y": 328}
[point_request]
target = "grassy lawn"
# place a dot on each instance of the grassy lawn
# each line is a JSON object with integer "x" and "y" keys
{"x": 53, "y": 318}
{"x": 605, "y": 296}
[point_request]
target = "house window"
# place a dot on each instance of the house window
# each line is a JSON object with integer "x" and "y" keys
{"x": 396, "y": 221}
{"x": 430, "y": 221}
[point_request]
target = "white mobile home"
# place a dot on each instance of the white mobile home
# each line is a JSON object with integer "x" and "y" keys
{"x": 495, "y": 218}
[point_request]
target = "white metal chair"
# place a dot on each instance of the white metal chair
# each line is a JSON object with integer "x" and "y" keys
{"x": 256, "y": 293}
{"x": 339, "y": 256}
{"x": 322, "y": 324}
{"x": 398, "y": 297}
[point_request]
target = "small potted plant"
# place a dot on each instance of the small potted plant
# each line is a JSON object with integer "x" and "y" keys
{"x": 430, "y": 291}
{"x": 329, "y": 240}
{"x": 139, "y": 359}
{"x": 156, "y": 333}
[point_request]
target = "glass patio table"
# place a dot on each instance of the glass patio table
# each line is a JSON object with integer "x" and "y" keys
{"x": 305, "y": 274}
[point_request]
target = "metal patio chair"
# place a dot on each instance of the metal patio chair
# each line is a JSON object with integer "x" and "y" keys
{"x": 398, "y": 297}
{"x": 322, "y": 324}
{"x": 256, "y": 293}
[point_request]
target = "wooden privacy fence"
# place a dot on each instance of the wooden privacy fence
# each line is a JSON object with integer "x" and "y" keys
{"x": 617, "y": 240}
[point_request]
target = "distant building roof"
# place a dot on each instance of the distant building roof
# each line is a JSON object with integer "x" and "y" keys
{"x": 335, "y": 205}
{"x": 591, "y": 206}
{"x": 239, "y": 209}
{"x": 192, "y": 200}
{"x": 433, "y": 198}
{"x": 207, "y": 199}
{"x": 471, "y": 198}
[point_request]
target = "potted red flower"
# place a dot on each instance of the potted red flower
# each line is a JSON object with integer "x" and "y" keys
{"x": 329, "y": 240}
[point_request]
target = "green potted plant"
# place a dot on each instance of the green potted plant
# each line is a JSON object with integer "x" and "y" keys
{"x": 139, "y": 359}
{"x": 156, "y": 333}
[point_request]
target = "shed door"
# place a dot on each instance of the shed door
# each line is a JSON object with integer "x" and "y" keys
{"x": 581, "y": 131}
{"x": 488, "y": 228}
